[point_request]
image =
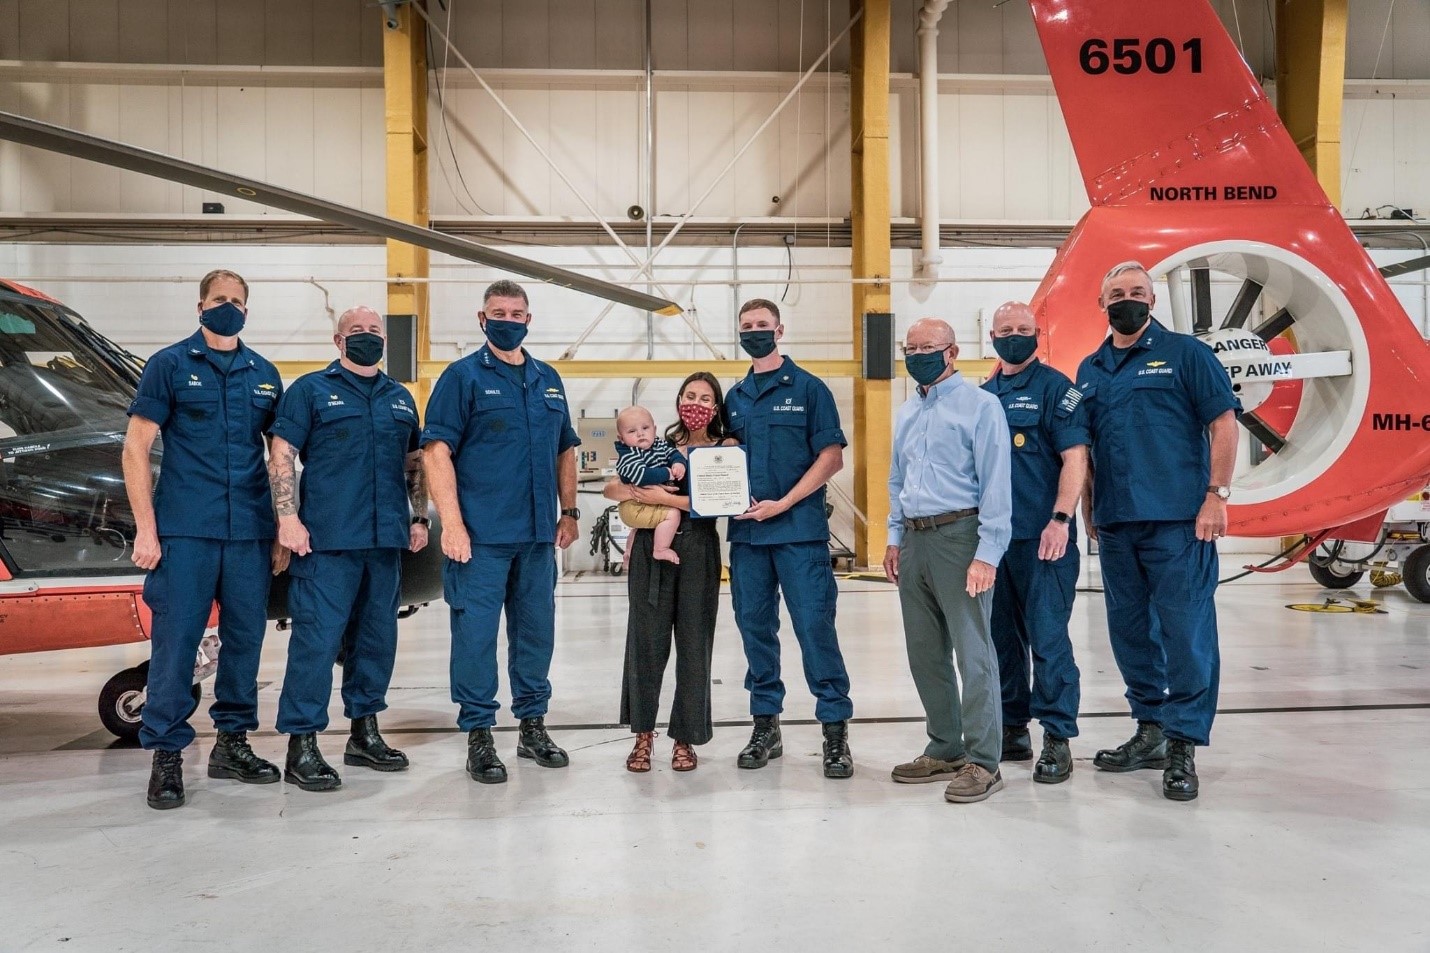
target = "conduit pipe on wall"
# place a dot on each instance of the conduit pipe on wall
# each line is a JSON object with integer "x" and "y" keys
{"x": 930, "y": 258}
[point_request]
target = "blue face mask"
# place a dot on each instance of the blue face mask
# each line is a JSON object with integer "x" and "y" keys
{"x": 1016, "y": 348}
{"x": 757, "y": 344}
{"x": 505, "y": 335}
{"x": 225, "y": 320}
{"x": 926, "y": 368}
{"x": 364, "y": 348}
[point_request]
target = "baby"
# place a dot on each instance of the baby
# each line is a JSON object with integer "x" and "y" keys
{"x": 645, "y": 459}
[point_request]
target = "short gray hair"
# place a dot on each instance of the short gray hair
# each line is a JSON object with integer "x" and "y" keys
{"x": 1125, "y": 266}
{"x": 505, "y": 288}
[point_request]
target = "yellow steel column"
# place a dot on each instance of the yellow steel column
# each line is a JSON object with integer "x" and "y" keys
{"x": 1310, "y": 83}
{"x": 404, "y": 59}
{"x": 869, "y": 144}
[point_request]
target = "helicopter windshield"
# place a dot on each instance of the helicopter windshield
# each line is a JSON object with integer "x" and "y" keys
{"x": 64, "y": 392}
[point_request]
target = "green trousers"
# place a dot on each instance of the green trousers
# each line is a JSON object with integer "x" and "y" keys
{"x": 943, "y": 624}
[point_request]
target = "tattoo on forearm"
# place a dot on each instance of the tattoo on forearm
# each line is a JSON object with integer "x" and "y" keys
{"x": 417, "y": 488}
{"x": 281, "y": 474}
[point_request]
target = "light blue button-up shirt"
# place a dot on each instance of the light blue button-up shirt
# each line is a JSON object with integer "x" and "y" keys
{"x": 952, "y": 452}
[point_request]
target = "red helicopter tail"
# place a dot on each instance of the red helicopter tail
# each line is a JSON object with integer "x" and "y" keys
{"x": 1202, "y": 131}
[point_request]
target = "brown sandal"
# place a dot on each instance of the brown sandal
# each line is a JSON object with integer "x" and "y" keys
{"x": 682, "y": 757}
{"x": 639, "y": 759}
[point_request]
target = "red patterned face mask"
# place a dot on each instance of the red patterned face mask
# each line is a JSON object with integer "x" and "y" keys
{"x": 696, "y": 417}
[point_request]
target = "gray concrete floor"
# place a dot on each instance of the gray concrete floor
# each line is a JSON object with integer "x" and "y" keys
{"x": 1312, "y": 831}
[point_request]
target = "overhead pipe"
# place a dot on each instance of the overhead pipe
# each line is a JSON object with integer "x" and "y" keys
{"x": 931, "y": 257}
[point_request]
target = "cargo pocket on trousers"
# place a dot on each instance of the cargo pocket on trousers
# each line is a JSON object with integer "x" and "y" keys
{"x": 452, "y": 586}
{"x": 156, "y": 589}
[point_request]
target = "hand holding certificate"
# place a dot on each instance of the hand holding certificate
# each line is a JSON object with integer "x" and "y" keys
{"x": 719, "y": 481}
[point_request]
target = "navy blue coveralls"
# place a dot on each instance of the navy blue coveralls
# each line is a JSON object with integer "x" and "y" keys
{"x": 505, "y": 426}
{"x": 1033, "y": 598}
{"x": 783, "y": 424}
{"x": 1149, "y": 407}
{"x": 353, "y": 436}
{"x": 215, "y": 522}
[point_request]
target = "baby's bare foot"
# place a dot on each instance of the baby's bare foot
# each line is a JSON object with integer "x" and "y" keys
{"x": 666, "y": 555}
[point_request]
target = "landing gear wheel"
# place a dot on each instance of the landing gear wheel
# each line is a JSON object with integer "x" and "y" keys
{"x": 121, "y": 701}
{"x": 1417, "y": 573}
{"x": 1329, "y": 577}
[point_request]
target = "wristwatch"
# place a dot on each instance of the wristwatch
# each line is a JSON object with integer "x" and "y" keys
{"x": 1222, "y": 492}
{"x": 1060, "y": 517}
{"x": 421, "y": 520}
{"x": 572, "y": 512}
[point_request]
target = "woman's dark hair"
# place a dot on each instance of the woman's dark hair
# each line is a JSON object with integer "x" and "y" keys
{"x": 719, "y": 424}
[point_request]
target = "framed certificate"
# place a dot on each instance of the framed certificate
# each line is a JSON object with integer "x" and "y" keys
{"x": 719, "y": 481}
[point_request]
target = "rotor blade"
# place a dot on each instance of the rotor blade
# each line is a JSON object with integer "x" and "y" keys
{"x": 1241, "y": 307}
{"x": 42, "y": 135}
{"x": 1275, "y": 325}
{"x": 1201, "y": 300}
{"x": 1259, "y": 429}
{"x": 1406, "y": 267}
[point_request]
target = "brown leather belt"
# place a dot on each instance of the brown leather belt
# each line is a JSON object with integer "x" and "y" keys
{"x": 943, "y": 519}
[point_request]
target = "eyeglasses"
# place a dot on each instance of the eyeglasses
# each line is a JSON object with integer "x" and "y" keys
{"x": 1011, "y": 331}
{"x": 924, "y": 348}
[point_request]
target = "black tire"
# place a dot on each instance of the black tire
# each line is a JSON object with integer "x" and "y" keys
{"x": 1417, "y": 573}
{"x": 1328, "y": 578}
{"x": 121, "y": 705}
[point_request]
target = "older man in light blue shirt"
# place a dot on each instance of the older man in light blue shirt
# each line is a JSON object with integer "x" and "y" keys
{"x": 950, "y": 519}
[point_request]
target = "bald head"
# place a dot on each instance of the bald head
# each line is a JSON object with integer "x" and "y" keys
{"x": 1014, "y": 317}
{"x": 928, "y": 331}
{"x": 361, "y": 318}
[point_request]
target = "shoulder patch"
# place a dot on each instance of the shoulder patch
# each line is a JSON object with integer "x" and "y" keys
{"x": 1071, "y": 398}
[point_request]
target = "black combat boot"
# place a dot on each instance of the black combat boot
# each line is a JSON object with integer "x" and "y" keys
{"x": 533, "y": 742}
{"x": 482, "y": 761}
{"x": 1179, "y": 781}
{"x": 166, "y": 780}
{"x": 1017, "y": 743}
{"x": 1055, "y": 763}
{"x": 838, "y": 759}
{"x": 765, "y": 743}
{"x": 1146, "y": 749}
{"x": 232, "y": 757}
{"x": 306, "y": 767}
{"x": 366, "y": 749}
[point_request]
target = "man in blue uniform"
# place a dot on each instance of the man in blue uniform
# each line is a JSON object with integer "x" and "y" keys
{"x": 361, "y": 502}
{"x": 950, "y": 509}
{"x": 788, "y": 423}
{"x": 1159, "y": 493}
{"x": 1037, "y": 579}
{"x": 205, "y": 533}
{"x": 500, "y": 456}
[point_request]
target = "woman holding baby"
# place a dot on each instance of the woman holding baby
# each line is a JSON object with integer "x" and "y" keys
{"x": 673, "y": 600}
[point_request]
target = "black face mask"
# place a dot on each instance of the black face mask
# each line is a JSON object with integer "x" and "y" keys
{"x": 757, "y": 344}
{"x": 364, "y": 348}
{"x": 1127, "y": 316}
